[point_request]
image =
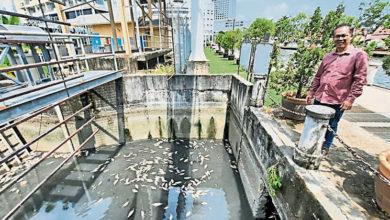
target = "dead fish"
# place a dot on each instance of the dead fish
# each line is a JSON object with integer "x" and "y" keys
{"x": 100, "y": 183}
{"x": 116, "y": 181}
{"x": 188, "y": 214}
{"x": 125, "y": 204}
{"x": 101, "y": 199}
{"x": 142, "y": 214}
{"x": 205, "y": 166}
{"x": 203, "y": 203}
{"x": 194, "y": 170}
{"x": 130, "y": 213}
{"x": 157, "y": 204}
{"x": 153, "y": 187}
{"x": 170, "y": 216}
{"x": 134, "y": 190}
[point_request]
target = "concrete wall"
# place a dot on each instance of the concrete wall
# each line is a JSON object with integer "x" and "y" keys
{"x": 259, "y": 142}
{"x": 184, "y": 106}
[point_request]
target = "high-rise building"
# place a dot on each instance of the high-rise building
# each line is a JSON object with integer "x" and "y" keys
{"x": 224, "y": 13}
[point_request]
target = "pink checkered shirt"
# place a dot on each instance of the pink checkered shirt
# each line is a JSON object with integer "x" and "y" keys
{"x": 340, "y": 77}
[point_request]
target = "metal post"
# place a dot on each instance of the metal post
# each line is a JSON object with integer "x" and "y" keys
{"x": 80, "y": 41}
{"x": 159, "y": 23}
{"x": 308, "y": 152}
{"x": 112, "y": 22}
{"x": 37, "y": 60}
{"x": 136, "y": 24}
{"x": 46, "y": 56}
{"x": 23, "y": 60}
{"x": 125, "y": 27}
{"x": 151, "y": 23}
{"x": 133, "y": 22}
{"x": 64, "y": 127}
{"x": 12, "y": 60}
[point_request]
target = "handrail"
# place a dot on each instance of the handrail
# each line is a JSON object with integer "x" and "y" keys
{"x": 57, "y": 35}
{"x": 17, "y": 178}
{"x": 15, "y": 123}
{"x": 15, "y": 152}
{"x": 32, "y": 65}
{"x": 40, "y": 87}
{"x": 32, "y": 17}
{"x": 8, "y": 215}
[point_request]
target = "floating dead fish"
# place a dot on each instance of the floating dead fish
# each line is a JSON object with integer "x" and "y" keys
{"x": 194, "y": 170}
{"x": 125, "y": 204}
{"x": 170, "y": 216}
{"x": 134, "y": 190}
{"x": 100, "y": 183}
{"x": 130, "y": 213}
{"x": 153, "y": 187}
{"x": 142, "y": 214}
{"x": 187, "y": 177}
{"x": 101, "y": 199}
{"x": 157, "y": 204}
{"x": 205, "y": 166}
{"x": 116, "y": 181}
{"x": 136, "y": 186}
{"x": 188, "y": 214}
{"x": 203, "y": 203}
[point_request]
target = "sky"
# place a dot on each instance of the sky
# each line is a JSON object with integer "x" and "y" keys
{"x": 249, "y": 10}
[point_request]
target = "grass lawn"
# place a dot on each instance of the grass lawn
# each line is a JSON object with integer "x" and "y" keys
{"x": 220, "y": 65}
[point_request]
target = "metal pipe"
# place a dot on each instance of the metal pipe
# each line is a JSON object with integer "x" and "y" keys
{"x": 28, "y": 66}
{"x": 57, "y": 35}
{"x": 58, "y": 2}
{"x": 32, "y": 17}
{"x": 6, "y": 127}
{"x": 6, "y": 41}
{"x": 8, "y": 215}
{"x": 16, "y": 179}
{"x": 39, "y": 88}
{"x": 5, "y": 159}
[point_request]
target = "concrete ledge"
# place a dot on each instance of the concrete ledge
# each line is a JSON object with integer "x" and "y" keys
{"x": 305, "y": 194}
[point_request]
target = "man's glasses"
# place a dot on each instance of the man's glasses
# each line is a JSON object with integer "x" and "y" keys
{"x": 342, "y": 36}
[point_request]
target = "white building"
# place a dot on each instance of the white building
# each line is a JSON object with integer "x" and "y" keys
{"x": 208, "y": 20}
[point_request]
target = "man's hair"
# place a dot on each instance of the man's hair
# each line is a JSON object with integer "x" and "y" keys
{"x": 343, "y": 25}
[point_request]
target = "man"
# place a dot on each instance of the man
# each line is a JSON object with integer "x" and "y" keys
{"x": 339, "y": 79}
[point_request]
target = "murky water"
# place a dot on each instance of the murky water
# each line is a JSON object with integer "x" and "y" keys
{"x": 150, "y": 179}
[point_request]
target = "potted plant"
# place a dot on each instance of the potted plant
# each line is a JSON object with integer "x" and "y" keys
{"x": 218, "y": 40}
{"x": 230, "y": 39}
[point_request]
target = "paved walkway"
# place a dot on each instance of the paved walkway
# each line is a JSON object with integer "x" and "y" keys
{"x": 371, "y": 112}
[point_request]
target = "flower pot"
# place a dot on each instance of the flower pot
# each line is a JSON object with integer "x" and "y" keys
{"x": 382, "y": 189}
{"x": 220, "y": 52}
{"x": 238, "y": 61}
{"x": 293, "y": 104}
{"x": 230, "y": 57}
{"x": 225, "y": 55}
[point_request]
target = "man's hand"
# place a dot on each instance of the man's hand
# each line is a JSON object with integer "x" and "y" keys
{"x": 346, "y": 105}
{"x": 309, "y": 99}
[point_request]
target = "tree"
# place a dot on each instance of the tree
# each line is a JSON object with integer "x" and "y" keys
{"x": 260, "y": 27}
{"x": 218, "y": 40}
{"x": 373, "y": 14}
{"x": 229, "y": 39}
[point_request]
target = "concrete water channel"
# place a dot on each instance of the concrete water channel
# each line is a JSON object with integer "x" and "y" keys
{"x": 181, "y": 147}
